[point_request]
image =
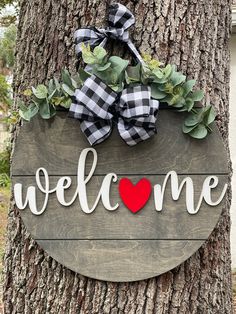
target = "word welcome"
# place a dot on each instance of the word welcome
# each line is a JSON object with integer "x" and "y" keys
{"x": 81, "y": 191}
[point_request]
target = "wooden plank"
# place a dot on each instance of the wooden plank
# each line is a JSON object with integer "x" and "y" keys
{"x": 174, "y": 222}
{"x": 120, "y": 260}
{"x": 56, "y": 145}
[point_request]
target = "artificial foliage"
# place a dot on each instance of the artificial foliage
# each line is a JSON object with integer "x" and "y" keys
{"x": 168, "y": 85}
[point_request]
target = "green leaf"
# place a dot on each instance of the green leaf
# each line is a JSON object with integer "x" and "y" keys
{"x": 156, "y": 93}
{"x": 87, "y": 55}
{"x": 56, "y": 101}
{"x": 187, "y": 129}
{"x": 118, "y": 64}
{"x": 57, "y": 84}
{"x": 68, "y": 90}
{"x": 52, "y": 111}
{"x": 177, "y": 78}
{"x": 189, "y": 103}
{"x": 66, "y": 103}
{"x": 66, "y": 79}
{"x": 22, "y": 105}
{"x": 29, "y": 112}
{"x": 180, "y": 102}
{"x": 99, "y": 52}
{"x": 44, "y": 110}
{"x": 84, "y": 74}
{"x": 134, "y": 72}
{"x": 192, "y": 119}
{"x": 197, "y": 95}
{"x": 40, "y": 91}
{"x": 188, "y": 86}
{"x": 199, "y": 132}
{"x": 52, "y": 94}
{"x": 104, "y": 67}
{"x": 158, "y": 74}
{"x": 167, "y": 71}
{"x": 209, "y": 115}
{"x": 51, "y": 87}
{"x": 76, "y": 81}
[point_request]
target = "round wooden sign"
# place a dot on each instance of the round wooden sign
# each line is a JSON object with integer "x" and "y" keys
{"x": 115, "y": 212}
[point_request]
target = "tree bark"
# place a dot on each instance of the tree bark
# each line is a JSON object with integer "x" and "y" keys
{"x": 192, "y": 34}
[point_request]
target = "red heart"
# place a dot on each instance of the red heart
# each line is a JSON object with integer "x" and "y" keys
{"x": 135, "y": 196}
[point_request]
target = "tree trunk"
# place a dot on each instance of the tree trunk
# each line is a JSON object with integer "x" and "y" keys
{"x": 195, "y": 36}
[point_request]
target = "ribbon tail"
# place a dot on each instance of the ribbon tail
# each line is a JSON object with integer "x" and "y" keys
{"x": 133, "y": 134}
{"x": 134, "y": 50}
{"x": 96, "y": 132}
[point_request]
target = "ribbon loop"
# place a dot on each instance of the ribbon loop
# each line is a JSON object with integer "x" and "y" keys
{"x": 91, "y": 107}
{"x": 97, "y": 107}
{"x": 134, "y": 101}
{"x": 120, "y": 19}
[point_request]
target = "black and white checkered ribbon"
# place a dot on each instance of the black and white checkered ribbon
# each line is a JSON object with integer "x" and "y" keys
{"x": 119, "y": 21}
{"x": 97, "y": 107}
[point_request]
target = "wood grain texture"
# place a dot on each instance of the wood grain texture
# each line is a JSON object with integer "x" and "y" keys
{"x": 56, "y": 145}
{"x": 174, "y": 222}
{"x": 120, "y": 260}
{"x": 96, "y": 244}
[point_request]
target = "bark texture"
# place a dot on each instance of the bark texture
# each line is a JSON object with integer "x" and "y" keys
{"x": 193, "y": 34}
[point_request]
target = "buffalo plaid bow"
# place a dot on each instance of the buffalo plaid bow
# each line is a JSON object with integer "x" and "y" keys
{"x": 97, "y": 107}
{"x": 119, "y": 20}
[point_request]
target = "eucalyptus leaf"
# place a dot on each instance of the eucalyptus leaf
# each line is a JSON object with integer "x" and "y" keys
{"x": 68, "y": 90}
{"x": 52, "y": 94}
{"x": 134, "y": 73}
{"x": 52, "y": 111}
{"x": 40, "y": 91}
{"x": 51, "y": 87}
{"x": 188, "y": 129}
{"x": 66, "y": 102}
{"x": 177, "y": 78}
{"x": 189, "y": 103}
{"x": 156, "y": 93}
{"x": 22, "y": 105}
{"x": 77, "y": 81}
{"x": 88, "y": 56}
{"x": 197, "y": 95}
{"x": 56, "y": 101}
{"x": 199, "y": 132}
{"x": 118, "y": 64}
{"x": 192, "y": 119}
{"x": 158, "y": 73}
{"x": 84, "y": 74}
{"x": 104, "y": 67}
{"x": 167, "y": 71}
{"x": 209, "y": 115}
{"x": 66, "y": 78}
{"x": 29, "y": 112}
{"x": 188, "y": 86}
{"x": 99, "y": 52}
{"x": 57, "y": 84}
{"x": 180, "y": 103}
{"x": 44, "y": 110}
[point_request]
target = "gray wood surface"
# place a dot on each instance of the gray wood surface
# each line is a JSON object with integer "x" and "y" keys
{"x": 120, "y": 260}
{"x": 56, "y": 145}
{"x": 120, "y": 245}
{"x": 174, "y": 222}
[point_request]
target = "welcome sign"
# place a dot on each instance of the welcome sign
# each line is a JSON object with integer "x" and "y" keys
{"x": 113, "y": 212}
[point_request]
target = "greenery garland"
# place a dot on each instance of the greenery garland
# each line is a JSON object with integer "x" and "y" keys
{"x": 167, "y": 85}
